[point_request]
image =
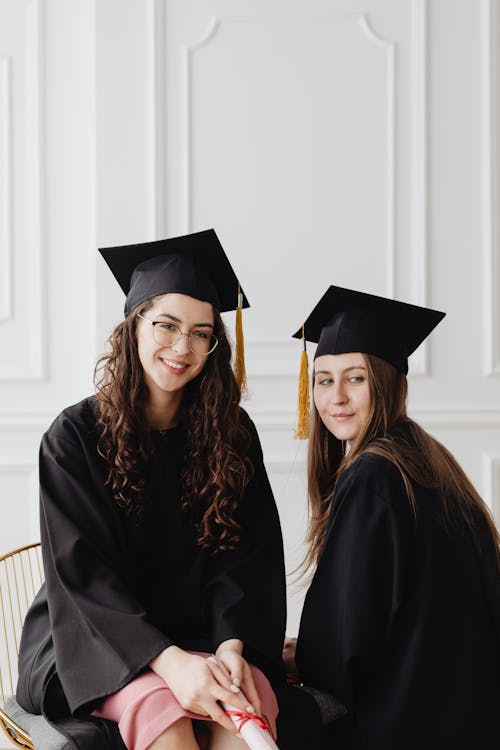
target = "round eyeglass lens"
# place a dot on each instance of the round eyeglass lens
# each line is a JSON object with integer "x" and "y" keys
{"x": 200, "y": 342}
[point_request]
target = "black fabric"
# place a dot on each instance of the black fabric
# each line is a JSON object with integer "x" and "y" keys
{"x": 299, "y": 720}
{"x": 345, "y": 320}
{"x": 193, "y": 264}
{"x": 402, "y": 623}
{"x": 121, "y": 587}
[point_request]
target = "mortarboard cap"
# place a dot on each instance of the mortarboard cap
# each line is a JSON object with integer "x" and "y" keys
{"x": 345, "y": 320}
{"x": 192, "y": 264}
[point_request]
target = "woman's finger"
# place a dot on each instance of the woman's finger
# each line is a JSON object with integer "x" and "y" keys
{"x": 249, "y": 690}
{"x": 236, "y": 700}
{"x": 217, "y": 713}
{"x": 233, "y": 663}
{"x": 222, "y": 677}
{"x": 252, "y": 700}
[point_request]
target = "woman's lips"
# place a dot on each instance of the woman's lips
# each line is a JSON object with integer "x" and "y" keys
{"x": 173, "y": 366}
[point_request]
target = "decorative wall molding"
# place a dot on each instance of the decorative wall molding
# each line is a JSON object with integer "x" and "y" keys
{"x": 188, "y": 52}
{"x": 5, "y": 189}
{"x": 418, "y": 199}
{"x": 419, "y": 137}
{"x": 19, "y": 466}
{"x": 490, "y": 140}
{"x": 158, "y": 117}
{"x": 34, "y": 369}
{"x": 25, "y": 422}
{"x": 361, "y": 20}
{"x": 34, "y": 151}
{"x": 419, "y": 364}
{"x": 390, "y": 50}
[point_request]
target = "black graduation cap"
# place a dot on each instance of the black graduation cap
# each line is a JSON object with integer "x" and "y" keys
{"x": 345, "y": 320}
{"x": 192, "y": 264}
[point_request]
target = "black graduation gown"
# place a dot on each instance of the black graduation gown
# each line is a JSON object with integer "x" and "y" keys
{"x": 402, "y": 624}
{"x": 121, "y": 587}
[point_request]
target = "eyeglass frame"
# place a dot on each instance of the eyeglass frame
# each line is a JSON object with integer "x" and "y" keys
{"x": 181, "y": 334}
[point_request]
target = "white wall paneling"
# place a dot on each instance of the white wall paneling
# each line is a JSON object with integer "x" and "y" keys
{"x": 255, "y": 117}
{"x": 288, "y": 481}
{"x": 158, "y": 95}
{"x": 5, "y": 190}
{"x": 419, "y": 362}
{"x": 47, "y": 193}
{"x": 47, "y": 237}
{"x": 19, "y": 440}
{"x": 22, "y": 323}
{"x": 491, "y": 184}
{"x": 19, "y": 482}
{"x": 130, "y": 137}
{"x": 231, "y": 149}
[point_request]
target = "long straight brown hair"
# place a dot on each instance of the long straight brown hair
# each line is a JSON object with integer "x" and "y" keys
{"x": 423, "y": 461}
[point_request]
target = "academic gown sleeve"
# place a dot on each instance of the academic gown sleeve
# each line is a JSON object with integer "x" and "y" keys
{"x": 353, "y": 601}
{"x": 101, "y": 634}
{"x": 246, "y": 587}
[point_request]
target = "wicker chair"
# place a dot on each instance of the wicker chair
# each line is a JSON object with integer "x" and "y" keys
{"x": 21, "y": 575}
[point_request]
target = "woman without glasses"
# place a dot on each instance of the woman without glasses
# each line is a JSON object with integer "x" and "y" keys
{"x": 401, "y": 622}
{"x": 160, "y": 536}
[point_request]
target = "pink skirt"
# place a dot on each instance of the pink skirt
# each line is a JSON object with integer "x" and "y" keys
{"x": 146, "y": 707}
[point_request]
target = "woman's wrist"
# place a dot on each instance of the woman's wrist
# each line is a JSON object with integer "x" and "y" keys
{"x": 165, "y": 658}
{"x": 232, "y": 644}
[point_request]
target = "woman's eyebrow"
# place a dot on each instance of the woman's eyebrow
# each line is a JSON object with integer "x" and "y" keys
{"x": 347, "y": 369}
{"x": 178, "y": 320}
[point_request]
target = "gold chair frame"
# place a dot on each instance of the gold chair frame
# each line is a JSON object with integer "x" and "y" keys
{"x": 21, "y": 575}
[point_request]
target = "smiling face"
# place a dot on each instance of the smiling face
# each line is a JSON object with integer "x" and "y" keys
{"x": 167, "y": 370}
{"x": 342, "y": 393}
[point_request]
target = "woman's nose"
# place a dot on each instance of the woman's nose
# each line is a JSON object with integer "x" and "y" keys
{"x": 338, "y": 394}
{"x": 182, "y": 346}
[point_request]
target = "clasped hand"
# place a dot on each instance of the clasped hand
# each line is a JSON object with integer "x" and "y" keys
{"x": 200, "y": 685}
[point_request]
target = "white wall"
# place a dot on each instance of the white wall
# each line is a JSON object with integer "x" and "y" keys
{"x": 47, "y": 236}
{"x": 326, "y": 141}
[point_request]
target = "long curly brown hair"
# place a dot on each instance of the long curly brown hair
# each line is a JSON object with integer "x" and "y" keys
{"x": 216, "y": 466}
{"x": 423, "y": 461}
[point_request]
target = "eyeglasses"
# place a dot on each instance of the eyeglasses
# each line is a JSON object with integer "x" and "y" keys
{"x": 166, "y": 334}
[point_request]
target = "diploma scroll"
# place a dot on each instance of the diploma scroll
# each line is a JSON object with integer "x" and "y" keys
{"x": 250, "y": 726}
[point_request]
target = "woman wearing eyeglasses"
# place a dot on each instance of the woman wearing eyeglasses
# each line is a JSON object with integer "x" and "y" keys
{"x": 160, "y": 535}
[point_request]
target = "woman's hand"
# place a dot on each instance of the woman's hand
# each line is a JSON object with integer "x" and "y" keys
{"x": 198, "y": 684}
{"x": 229, "y": 654}
{"x": 289, "y": 648}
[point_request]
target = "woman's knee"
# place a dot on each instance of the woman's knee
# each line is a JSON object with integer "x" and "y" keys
{"x": 178, "y": 736}
{"x": 221, "y": 739}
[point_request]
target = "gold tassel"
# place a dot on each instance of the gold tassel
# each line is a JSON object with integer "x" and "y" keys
{"x": 302, "y": 431}
{"x": 239, "y": 355}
